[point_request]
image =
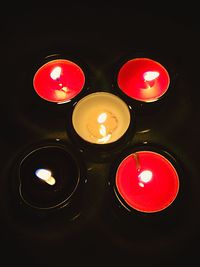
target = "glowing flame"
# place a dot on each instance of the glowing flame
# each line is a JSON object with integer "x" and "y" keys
{"x": 46, "y": 176}
{"x": 150, "y": 75}
{"x": 102, "y": 117}
{"x": 145, "y": 177}
{"x": 56, "y": 73}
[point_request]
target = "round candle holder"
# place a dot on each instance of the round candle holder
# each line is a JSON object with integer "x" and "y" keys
{"x": 49, "y": 178}
{"x": 101, "y": 121}
{"x": 34, "y": 112}
{"x": 144, "y": 81}
{"x": 146, "y": 184}
{"x": 59, "y": 79}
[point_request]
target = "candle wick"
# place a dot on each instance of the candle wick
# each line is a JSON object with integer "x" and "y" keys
{"x": 136, "y": 157}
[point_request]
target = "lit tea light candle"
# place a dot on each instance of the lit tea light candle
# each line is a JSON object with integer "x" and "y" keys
{"x": 143, "y": 79}
{"x": 59, "y": 81}
{"x": 147, "y": 181}
{"x": 48, "y": 178}
{"x": 101, "y": 118}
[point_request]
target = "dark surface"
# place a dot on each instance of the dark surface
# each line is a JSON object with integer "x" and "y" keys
{"x": 101, "y": 38}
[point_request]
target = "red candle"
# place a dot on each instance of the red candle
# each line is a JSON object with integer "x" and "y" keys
{"x": 147, "y": 181}
{"x": 59, "y": 81}
{"x": 143, "y": 79}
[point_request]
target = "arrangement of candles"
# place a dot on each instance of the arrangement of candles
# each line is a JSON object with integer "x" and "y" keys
{"x": 145, "y": 180}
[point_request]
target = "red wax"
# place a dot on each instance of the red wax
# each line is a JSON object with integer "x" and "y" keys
{"x": 143, "y": 79}
{"x": 59, "y": 81}
{"x": 147, "y": 181}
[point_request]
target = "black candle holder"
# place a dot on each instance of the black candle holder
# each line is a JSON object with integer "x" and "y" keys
{"x": 48, "y": 179}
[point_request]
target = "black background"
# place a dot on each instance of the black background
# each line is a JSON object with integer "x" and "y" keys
{"x": 100, "y": 36}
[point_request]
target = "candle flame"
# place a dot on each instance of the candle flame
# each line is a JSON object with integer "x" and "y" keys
{"x": 46, "y": 176}
{"x": 145, "y": 177}
{"x": 150, "y": 75}
{"x": 56, "y": 73}
{"x": 102, "y": 117}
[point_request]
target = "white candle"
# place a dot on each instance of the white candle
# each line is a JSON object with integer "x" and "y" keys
{"x": 101, "y": 118}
